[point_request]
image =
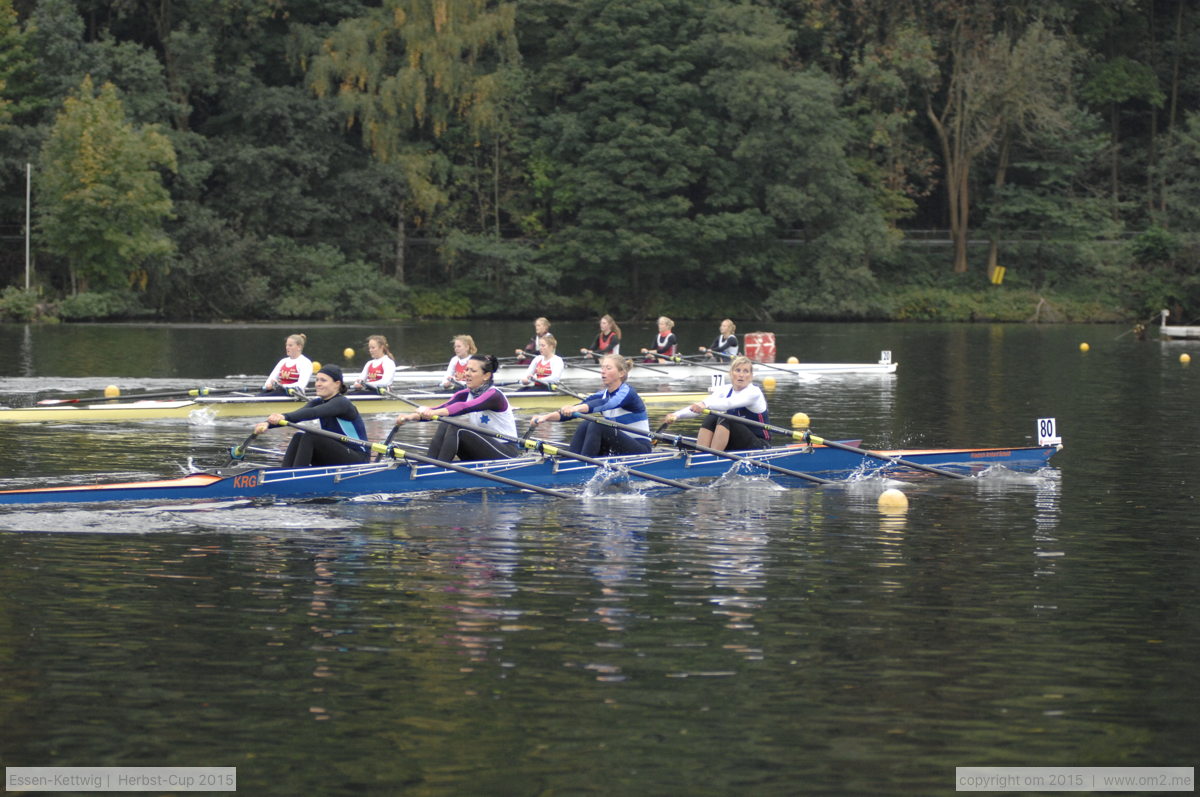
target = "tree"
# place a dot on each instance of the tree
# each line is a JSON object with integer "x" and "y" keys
{"x": 404, "y": 73}
{"x": 998, "y": 84}
{"x": 101, "y": 203}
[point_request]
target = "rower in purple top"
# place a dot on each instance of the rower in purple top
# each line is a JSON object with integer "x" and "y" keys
{"x": 483, "y": 406}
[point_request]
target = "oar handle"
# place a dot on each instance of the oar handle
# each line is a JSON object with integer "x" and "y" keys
{"x": 802, "y": 437}
{"x": 682, "y": 442}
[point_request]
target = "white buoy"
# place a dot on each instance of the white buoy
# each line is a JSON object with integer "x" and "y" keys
{"x": 892, "y": 500}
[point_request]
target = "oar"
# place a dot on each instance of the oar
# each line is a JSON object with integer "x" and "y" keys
{"x": 677, "y": 359}
{"x": 193, "y": 393}
{"x": 682, "y": 442}
{"x": 238, "y": 453}
{"x": 808, "y": 437}
{"x": 400, "y": 453}
{"x": 555, "y": 451}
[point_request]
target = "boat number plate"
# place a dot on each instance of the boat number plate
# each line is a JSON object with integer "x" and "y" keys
{"x": 1048, "y": 432}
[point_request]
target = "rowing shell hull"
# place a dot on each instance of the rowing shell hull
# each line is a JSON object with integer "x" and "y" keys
{"x": 261, "y": 407}
{"x": 399, "y": 477}
{"x": 669, "y": 372}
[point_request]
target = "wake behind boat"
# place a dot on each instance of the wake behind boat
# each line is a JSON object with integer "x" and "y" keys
{"x": 546, "y": 470}
{"x": 252, "y": 406}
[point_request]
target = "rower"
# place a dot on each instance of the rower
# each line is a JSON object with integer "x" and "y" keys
{"x": 546, "y": 368}
{"x": 541, "y": 328}
{"x": 380, "y": 370}
{"x": 336, "y": 413}
{"x": 456, "y": 369}
{"x": 291, "y": 374}
{"x": 665, "y": 342}
{"x": 725, "y": 346}
{"x": 742, "y": 398}
{"x": 608, "y": 339}
{"x": 484, "y": 406}
{"x": 617, "y": 401}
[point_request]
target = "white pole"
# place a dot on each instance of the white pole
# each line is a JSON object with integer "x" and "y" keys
{"x": 28, "y": 184}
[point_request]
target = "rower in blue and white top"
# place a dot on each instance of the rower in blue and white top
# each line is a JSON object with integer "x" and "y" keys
{"x": 725, "y": 346}
{"x": 742, "y": 398}
{"x": 485, "y": 408}
{"x": 619, "y": 402}
{"x": 336, "y": 414}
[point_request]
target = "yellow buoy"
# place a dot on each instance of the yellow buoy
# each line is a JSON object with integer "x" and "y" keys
{"x": 793, "y": 360}
{"x": 112, "y": 391}
{"x": 768, "y": 383}
{"x": 892, "y": 500}
{"x": 1185, "y": 358}
{"x": 316, "y": 366}
{"x": 348, "y": 353}
{"x": 1084, "y": 347}
{"x": 800, "y": 421}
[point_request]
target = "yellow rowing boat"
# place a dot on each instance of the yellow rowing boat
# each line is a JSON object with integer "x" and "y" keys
{"x": 205, "y": 407}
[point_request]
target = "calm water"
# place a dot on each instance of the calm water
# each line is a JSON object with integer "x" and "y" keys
{"x": 738, "y": 639}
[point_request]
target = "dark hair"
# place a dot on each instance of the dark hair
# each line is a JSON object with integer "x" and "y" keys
{"x": 334, "y": 372}
{"x": 489, "y": 362}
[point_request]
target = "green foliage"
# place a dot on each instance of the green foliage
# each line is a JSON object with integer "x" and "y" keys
{"x": 102, "y": 199}
{"x": 318, "y": 282}
{"x": 103, "y": 306}
{"x": 433, "y": 302}
{"x": 17, "y": 304}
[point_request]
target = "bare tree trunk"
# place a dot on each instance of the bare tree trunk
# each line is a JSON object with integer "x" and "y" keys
{"x": 401, "y": 241}
{"x": 993, "y": 258}
{"x": 496, "y": 185}
{"x": 1114, "y": 170}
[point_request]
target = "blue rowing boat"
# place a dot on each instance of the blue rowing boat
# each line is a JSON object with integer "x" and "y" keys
{"x": 391, "y": 477}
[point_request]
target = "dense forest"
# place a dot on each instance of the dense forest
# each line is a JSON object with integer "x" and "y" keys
{"x": 787, "y": 159}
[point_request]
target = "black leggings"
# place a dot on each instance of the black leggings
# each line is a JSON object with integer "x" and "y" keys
{"x": 592, "y": 439}
{"x": 309, "y": 449}
{"x": 450, "y": 441}
{"x": 741, "y": 437}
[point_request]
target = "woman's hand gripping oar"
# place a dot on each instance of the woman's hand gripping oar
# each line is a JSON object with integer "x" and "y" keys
{"x": 683, "y": 442}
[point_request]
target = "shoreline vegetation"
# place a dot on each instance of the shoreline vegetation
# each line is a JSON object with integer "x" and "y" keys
{"x": 967, "y": 160}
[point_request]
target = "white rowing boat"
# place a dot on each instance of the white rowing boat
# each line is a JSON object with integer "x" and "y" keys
{"x": 1181, "y": 332}
{"x": 583, "y": 370}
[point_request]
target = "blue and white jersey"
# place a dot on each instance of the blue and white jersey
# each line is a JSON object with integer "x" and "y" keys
{"x": 622, "y": 405}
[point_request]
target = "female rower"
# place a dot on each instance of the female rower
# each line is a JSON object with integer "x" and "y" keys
{"x": 336, "y": 413}
{"x": 608, "y": 339}
{"x": 742, "y": 398}
{"x": 293, "y": 371}
{"x": 380, "y": 370}
{"x": 725, "y": 346}
{"x": 541, "y": 328}
{"x": 664, "y": 344}
{"x": 546, "y": 368}
{"x": 617, "y": 401}
{"x": 456, "y": 369}
{"x": 484, "y": 406}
